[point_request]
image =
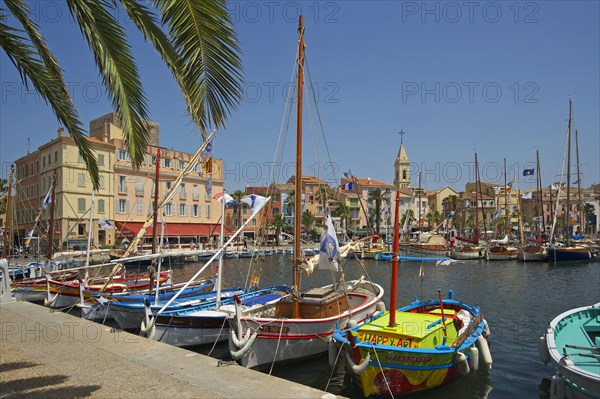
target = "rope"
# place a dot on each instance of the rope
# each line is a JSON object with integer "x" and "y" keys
{"x": 217, "y": 339}
{"x": 333, "y": 368}
{"x": 277, "y": 347}
{"x": 382, "y": 372}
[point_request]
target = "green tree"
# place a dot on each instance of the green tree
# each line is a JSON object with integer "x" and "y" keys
{"x": 378, "y": 197}
{"x": 308, "y": 221}
{"x": 323, "y": 195}
{"x": 278, "y": 223}
{"x": 3, "y": 190}
{"x": 410, "y": 214}
{"x": 588, "y": 211}
{"x": 290, "y": 202}
{"x": 195, "y": 40}
{"x": 343, "y": 212}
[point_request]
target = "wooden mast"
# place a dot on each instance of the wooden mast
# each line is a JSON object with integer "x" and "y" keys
{"x": 5, "y": 239}
{"x": 568, "y": 210}
{"x": 51, "y": 227}
{"x": 394, "y": 278}
{"x": 155, "y": 207}
{"x": 506, "y": 221}
{"x": 475, "y": 231}
{"x": 579, "y": 205}
{"x": 539, "y": 188}
{"x": 298, "y": 193}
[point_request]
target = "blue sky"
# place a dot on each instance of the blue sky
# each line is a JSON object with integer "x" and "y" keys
{"x": 457, "y": 77}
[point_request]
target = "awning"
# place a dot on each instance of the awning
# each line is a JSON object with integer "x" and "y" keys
{"x": 129, "y": 229}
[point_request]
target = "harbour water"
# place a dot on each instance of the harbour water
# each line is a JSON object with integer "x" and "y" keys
{"x": 517, "y": 299}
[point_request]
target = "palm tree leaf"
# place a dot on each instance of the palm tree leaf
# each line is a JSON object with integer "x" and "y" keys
{"x": 203, "y": 36}
{"x": 46, "y": 78}
{"x": 112, "y": 54}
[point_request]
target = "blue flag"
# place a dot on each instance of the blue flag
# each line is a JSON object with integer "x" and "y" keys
{"x": 528, "y": 172}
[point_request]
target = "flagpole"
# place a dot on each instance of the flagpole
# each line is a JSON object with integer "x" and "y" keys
{"x": 89, "y": 240}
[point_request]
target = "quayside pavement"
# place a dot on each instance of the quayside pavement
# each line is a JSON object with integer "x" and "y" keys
{"x": 47, "y": 354}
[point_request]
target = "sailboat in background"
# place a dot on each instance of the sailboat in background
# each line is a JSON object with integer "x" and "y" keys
{"x": 418, "y": 347}
{"x": 501, "y": 249}
{"x": 301, "y": 324}
{"x": 568, "y": 251}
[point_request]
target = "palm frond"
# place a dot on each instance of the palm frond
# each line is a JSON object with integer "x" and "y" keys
{"x": 204, "y": 38}
{"x": 112, "y": 54}
{"x": 46, "y": 77}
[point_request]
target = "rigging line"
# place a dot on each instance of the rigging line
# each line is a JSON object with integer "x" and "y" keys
{"x": 277, "y": 347}
{"x": 318, "y": 112}
{"x": 333, "y": 369}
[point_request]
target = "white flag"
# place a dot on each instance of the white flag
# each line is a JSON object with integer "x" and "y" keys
{"x": 528, "y": 195}
{"x": 329, "y": 248}
{"x": 47, "y": 199}
{"x": 255, "y": 202}
{"x": 105, "y": 224}
{"x": 228, "y": 199}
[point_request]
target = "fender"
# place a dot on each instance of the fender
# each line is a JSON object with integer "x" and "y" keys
{"x": 238, "y": 354}
{"x": 358, "y": 369}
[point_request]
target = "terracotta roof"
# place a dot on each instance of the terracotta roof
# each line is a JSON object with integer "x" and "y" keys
{"x": 361, "y": 181}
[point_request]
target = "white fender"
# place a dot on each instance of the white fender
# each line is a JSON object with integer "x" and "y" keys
{"x": 486, "y": 329}
{"x": 474, "y": 358}
{"x": 239, "y": 342}
{"x": 5, "y": 295}
{"x": 558, "y": 389}
{"x": 358, "y": 369}
{"x": 380, "y": 307}
{"x": 484, "y": 352}
{"x": 148, "y": 327}
{"x": 81, "y": 304}
{"x": 462, "y": 363}
{"x": 238, "y": 354}
{"x": 50, "y": 299}
{"x": 351, "y": 323}
{"x": 543, "y": 349}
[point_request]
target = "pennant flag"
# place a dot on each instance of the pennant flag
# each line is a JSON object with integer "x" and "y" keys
{"x": 348, "y": 173}
{"x": 528, "y": 172}
{"x": 255, "y": 202}
{"x": 105, "y": 224}
{"x": 228, "y": 199}
{"x": 47, "y": 199}
{"x": 528, "y": 195}
{"x": 422, "y": 271}
{"x": 347, "y": 186}
{"x": 255, "y": 281}
{"x": 329, "y": 248}
{"x": 576, "y": 182}
{"x": 208, "y": 186}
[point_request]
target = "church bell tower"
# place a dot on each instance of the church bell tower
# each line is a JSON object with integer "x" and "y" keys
{"x": 402, "y": 166}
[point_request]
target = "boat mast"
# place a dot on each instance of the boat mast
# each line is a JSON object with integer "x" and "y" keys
{"x": 506, "y": 221}
{"x": 539, "y": 188}
{"x": 394, "y": 277}
{"x": 580, "y": 210}
{"x": 51, "y": 227}
{"x": 298, "y": 193}
{"x": 420, "y": 218}
{"x": 475, "y": 231}
{"x": 155, "y": 206}
{"x": 568, "y": 210}
{"x": 5, "y": 239}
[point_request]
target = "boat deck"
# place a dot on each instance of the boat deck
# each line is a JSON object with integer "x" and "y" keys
{"x": 581, "y": 339}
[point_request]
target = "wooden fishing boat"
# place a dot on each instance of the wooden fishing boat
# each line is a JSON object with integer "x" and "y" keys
{"x": 532, "y": 252}
{"x": 418, "y": 347}
{"x": 502, "y": 252}
{"x": 468, "y": 252}
{"x": 301, "y": 324}
{"x": 572, "y": 344}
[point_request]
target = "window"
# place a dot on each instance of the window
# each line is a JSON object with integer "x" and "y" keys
{"x": 81, "y": 179}
{"x": 122, "y": 155}
{"x": 101, "y": 182}
{"x": 43, "y": 162}
{"x": 55, "y": 156}
{"x": 122, "y": 206}
{"x": 195, "y": 192}
{"x": 100, "y": 206}
{"x": 207, "y": 196}
{"x": 167, "y": 163}
{"x": 182, "y": 209}
{"x": 169, "y": 209}
{"x": 153, "y": 160}
{"x": 168, "y": 185}
{"x": 122, "y": 185}
{"x": 81, "y": 229}
{"x": 253, "y": 222}
{"x": 139, "y": 186}
{"x": 195, "y": 210}
{"x": 81, "y": 205}
{"x": 49, "y": 159}
{"x": 182, "y": 193}
{"x": 182, "y": 165}
{"x": 208, "y": 211}
{"x": 100, "y": 159}
{"x": 139, "y": 207}
{"x": 404, "y": 174}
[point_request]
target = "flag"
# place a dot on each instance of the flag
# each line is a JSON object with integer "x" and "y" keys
{"x": 347, "y": 186}
{"x": 508, "y": 187}
{"x": 576, "y": 182}
{"x": 329, "y": 248}
{"x": 207, "y": 167}
{"x": 47, "y": 199}
{"x": 528, "y": 195}
{"x": 385, "y": 210}
{"x": 422, "y": 271}
{"x": 105, "y": 224}
{"x": 528, "y": 172}
{"x": 228, "y": 199}
{"x": 255, "y": 281}
{"x": 348, "y": 174}
{"x": 255, "y": 202}
{"x": 208, "y": 150}
{"x": 496, "y": 214}
{"x": 208, "y": 186}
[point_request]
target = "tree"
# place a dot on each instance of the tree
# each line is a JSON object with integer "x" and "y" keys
{"x": 343, "y": 212}
{"x": 278, "y": 223}
{"x": 290, "y": 202}
{"x": 410, "y": 214}
{"x": 308, "y": 220}
{"x": 237, "y": 196}
{"x": 323, "y": 195}
{"x": 589, "y": 212}
{"x": 378, "y": 197}
{"x": 195, "y": 39}
{"x": 3, "y": 190}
